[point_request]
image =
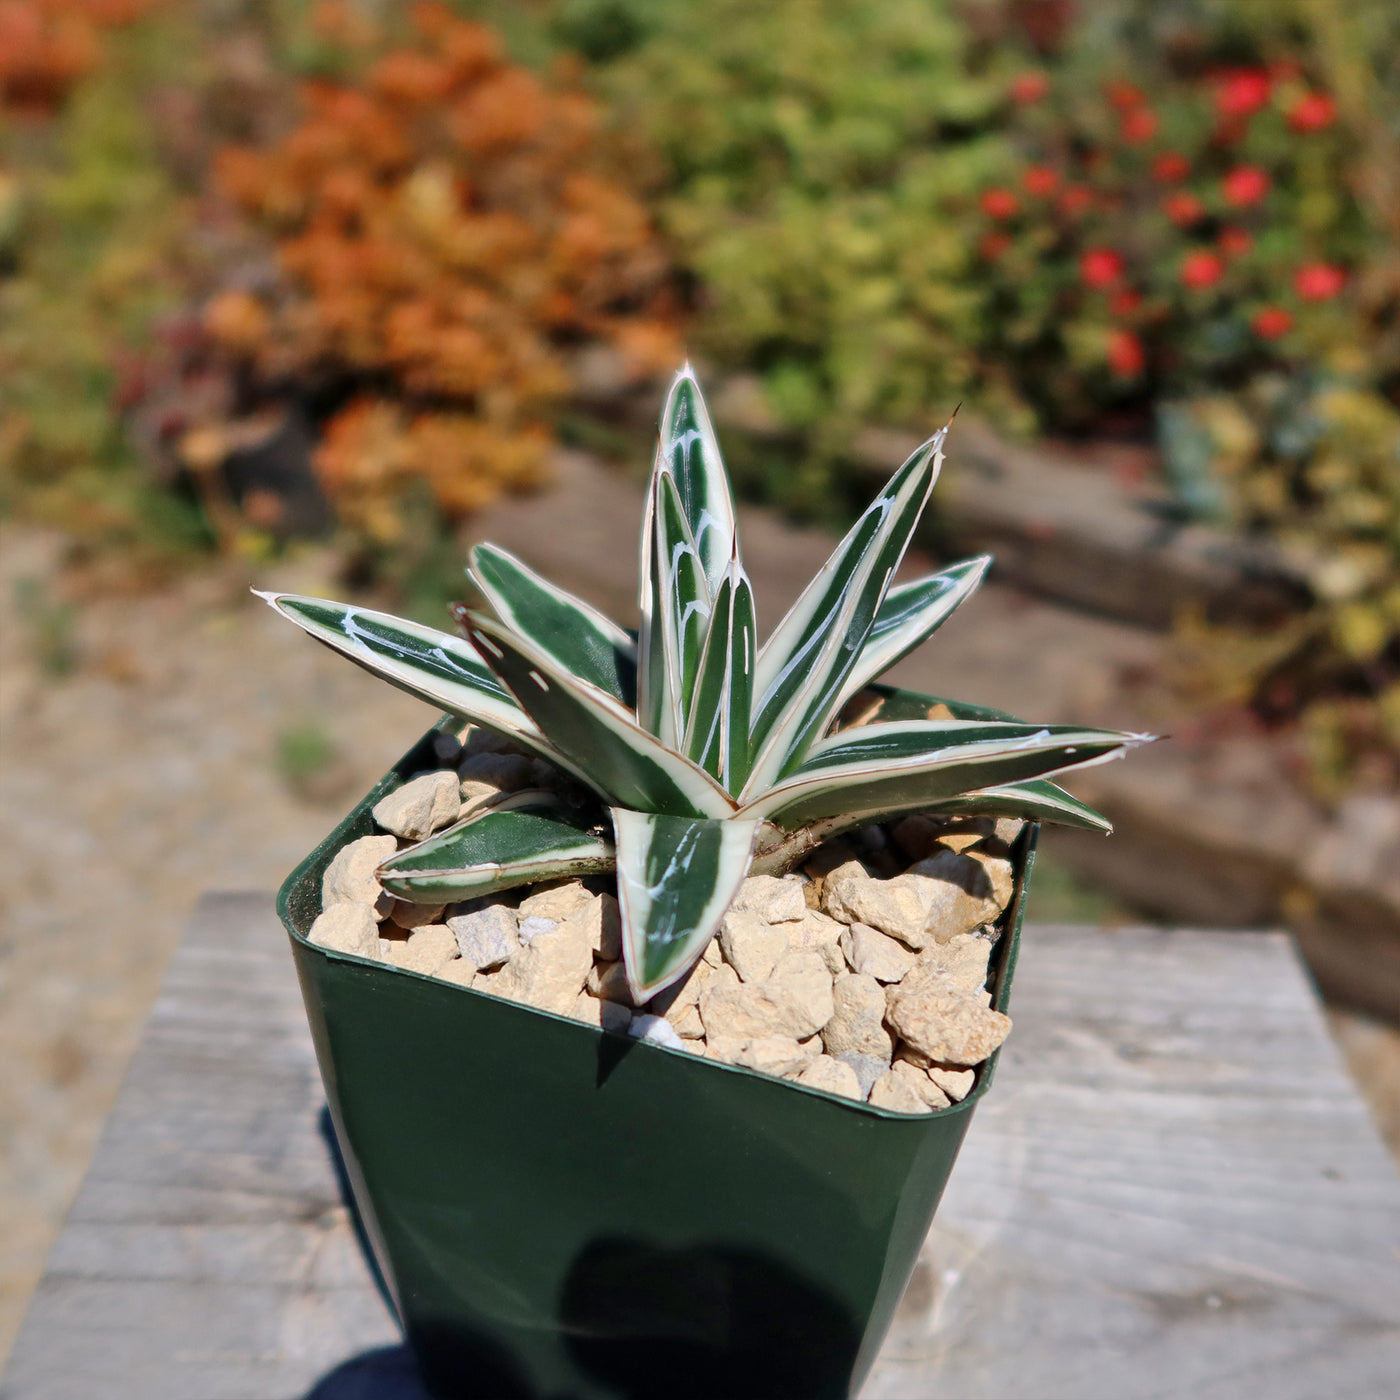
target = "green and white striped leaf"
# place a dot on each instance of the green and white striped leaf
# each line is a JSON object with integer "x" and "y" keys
{"x": 673, "y": 630}
{"x": 689, "y": 450}
{"x": 1036, "y": 800}
{"x": 578, "y": 637}
{"x": 444, "y": 670}
{"x": 525, "y": 837}
{"x": 803, "y": 667}
{"x": 675, "y": 878}
{"x": 910, "y": 614}
{"x": 913, "y": 766}
{"x": 596, "y": 737}
{"x": 718, "y": 735}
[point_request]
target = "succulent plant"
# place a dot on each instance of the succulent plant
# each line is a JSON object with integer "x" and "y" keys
{"x": 713, "y": 756}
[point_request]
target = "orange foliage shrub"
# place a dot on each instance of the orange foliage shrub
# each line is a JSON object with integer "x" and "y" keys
{"x": 447, "y": 228}
{"x": 46, "y": 46}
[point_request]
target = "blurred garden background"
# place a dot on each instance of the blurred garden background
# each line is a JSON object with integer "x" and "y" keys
{"x": 312, "y": 294}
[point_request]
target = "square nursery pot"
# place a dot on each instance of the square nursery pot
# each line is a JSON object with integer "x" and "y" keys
{"x": 559, "y": 1212}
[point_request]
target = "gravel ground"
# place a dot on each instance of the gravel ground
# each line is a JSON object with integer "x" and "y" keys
{"x": 140, "y": 736}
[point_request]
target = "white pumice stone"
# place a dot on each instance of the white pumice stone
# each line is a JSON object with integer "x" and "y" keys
{"x": 751, "y": 945}
{"x": 656, "y": 1029}
{"x": 403, "y": 914}
{"x": 458, "y": 971}
{"x": 508, "y": 772}
{"x": 606, "y": 1015}
{"x": 921, "y": 1083}
{"x": 420, "y": 807}
{"x": 858, "y": 1018}
{"x": 533, "y": 926}
{"x": 550, "y": 970}
{"x": 867, "y": 1068}
{"x": 486, "y": 937}
{"x": 776, "y": 900}
{"x": 425, "y": 949}
{"x": 892, "y": 1091}
{"x": 832, "y": 1077}
{"x": 350, "y": 878}
{"x": 347, "y": 928}
{"x": 869, "y": 951}
{"x": 558, "y": 902}
{"x": 956, "y": 1083}
{"x": 946, "y": 1025}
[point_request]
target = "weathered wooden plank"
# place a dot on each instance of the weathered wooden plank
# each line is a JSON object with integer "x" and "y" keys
{"x": 208, "y": 1255}
{"x": 1172, "y": 1191}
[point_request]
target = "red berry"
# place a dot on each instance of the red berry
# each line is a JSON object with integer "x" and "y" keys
{"x": 1313, "y": 112}
{"x": 1029, "y": 87}
{"x": 1241, "y": 92}
{"x": 1235, "y": 242}
{"x": 1319, "y": 281}
{"x": 1200, "y": 270}
{"x": 1271, "y": 323}
{"x": 1245, "y": 185}
{"x": 1100, "y": 267}
{"x": 1169, "y": 167}
{"x": 1041, "y": 179}
{"x": 1183, "y": 209}
{"x": 1126, "y": 357}
{"x": 1138, "y": 125}
{"x": 1000, "y": 204}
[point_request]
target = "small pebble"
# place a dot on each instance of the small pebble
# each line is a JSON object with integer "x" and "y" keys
{"x": 656, "y": 1029}
{"x": 531, "y": 928}
{"x": 347, "y": 928}
{"x": 486, "y": 937}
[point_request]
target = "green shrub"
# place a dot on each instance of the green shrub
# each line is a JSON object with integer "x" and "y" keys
{"x": 811, "y": 152}
{"x": 91, "y": 224}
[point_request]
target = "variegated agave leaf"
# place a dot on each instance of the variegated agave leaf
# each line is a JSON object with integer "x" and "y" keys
{"x": 673, "y": 630}
{"x": 912, "y": 766}
{"x": 1035, "y": 800}
{"x": 910, "y": 614}
{"x": 446, "y": 671}
{"x": 525, "y": 837}
{"x": 675, "y": 878}
{"x": 800, "y": 681}
{"x": 596, "y": 737}
{"x": 688, "y": 539}
{"x": 689, "y": 451}
{"x": 717, "y": 735}
{"x": 578, "y": 638}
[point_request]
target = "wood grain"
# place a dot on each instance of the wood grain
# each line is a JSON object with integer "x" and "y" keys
{"x": 1173, "y": 1190}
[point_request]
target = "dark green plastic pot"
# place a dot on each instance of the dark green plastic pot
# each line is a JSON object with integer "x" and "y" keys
{"x": 559, "y": 1213}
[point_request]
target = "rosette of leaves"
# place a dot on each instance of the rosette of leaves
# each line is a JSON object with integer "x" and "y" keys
{"x": 707, "y": 756}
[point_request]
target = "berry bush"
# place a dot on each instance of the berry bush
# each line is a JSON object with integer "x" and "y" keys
{"x": 1196, "y": 244}
{"x": 449, "y": 227}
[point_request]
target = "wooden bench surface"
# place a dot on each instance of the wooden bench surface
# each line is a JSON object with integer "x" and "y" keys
{"x": 1172, "y": 1190}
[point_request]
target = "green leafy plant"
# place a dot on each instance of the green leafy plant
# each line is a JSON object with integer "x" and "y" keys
{"x": 712, "y": 755}
{"x": 809, "y": 194}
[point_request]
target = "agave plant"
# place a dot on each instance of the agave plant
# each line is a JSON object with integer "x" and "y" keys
{"x": 713, "y": 756}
